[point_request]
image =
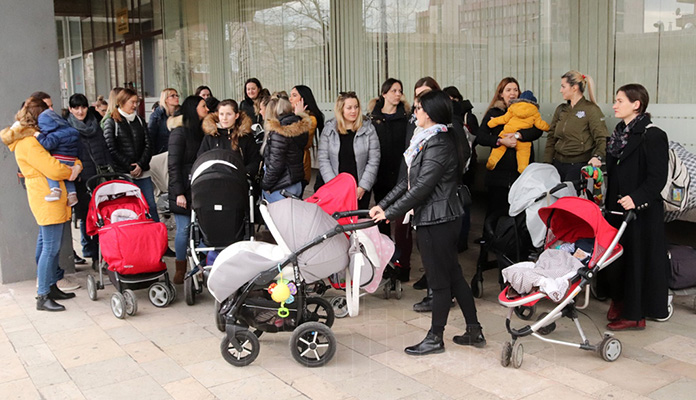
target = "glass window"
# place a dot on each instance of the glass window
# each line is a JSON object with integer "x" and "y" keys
{"x": 78, "y": 82}
{"x": 75, "y": 36}
{"x": 86, "y": 34}
{"x": 100, "y": 25}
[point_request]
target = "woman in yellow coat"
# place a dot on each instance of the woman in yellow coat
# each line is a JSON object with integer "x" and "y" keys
{"x": 37, "y": 164}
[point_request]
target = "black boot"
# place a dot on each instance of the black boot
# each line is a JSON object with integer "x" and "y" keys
{"x": 45, "y": 303}
{"x": 472, "y": 337}
{"x": 432, "y": 344}
{"x": 425, "y": 305}
{"x": 421, "y": 284}
{"x": 57, "y": 294}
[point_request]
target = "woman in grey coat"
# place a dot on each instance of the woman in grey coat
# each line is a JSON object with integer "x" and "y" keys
{"x": 349, "y": 143}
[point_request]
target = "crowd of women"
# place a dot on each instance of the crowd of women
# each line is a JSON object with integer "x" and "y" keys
{"x": 414, "y": 160}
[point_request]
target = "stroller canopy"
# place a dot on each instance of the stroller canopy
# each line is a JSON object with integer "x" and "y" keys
{"x": 117, "y": 198}
{"x": 573, "y": 218}
{"x": 338, "y": 194}
{"x": 297, "y": 223}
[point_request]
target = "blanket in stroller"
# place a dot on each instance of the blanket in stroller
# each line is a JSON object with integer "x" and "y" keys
{"x": 551, "y": 274}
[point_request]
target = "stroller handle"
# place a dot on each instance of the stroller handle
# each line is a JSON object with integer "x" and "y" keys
{"x": 94, "y": 181}
{"x": 629, "y": 215}
{"x": 356, "y": 226}
{"x": 354, "y": 213}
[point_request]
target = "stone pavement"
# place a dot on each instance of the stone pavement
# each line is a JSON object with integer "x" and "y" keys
{"x": 174, "y": 352}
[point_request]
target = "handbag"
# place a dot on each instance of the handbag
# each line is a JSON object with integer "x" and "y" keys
{"x": 464, "y": 195}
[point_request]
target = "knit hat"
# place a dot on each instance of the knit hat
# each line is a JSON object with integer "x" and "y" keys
{"x": 528, "y": 95}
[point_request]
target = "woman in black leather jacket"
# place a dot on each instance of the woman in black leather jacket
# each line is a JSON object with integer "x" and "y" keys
{"x": 428, "y": 193}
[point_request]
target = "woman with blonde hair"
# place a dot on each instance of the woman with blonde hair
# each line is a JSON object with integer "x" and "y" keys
{"x": 159, "y": 133}
{"x": 578, "y": 134}
{"x": 349, "y": 143}
{"x": 111, "y": 104}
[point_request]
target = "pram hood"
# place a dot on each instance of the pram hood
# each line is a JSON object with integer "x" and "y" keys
{"x": 338, "y": 194}
{"x": 536, "y": 180}
{"x": 111, "y": 196}
{"x": 573, "y": 218}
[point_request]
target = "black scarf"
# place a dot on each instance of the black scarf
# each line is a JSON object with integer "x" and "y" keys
{"x": 87, "y": 128}
{"x": 619, "y": 138}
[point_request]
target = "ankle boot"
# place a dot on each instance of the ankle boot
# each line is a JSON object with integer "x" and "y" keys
{"x": 180, "y": 272}
{"x": 425, "y": 305}
{"x": 432, "y": 344}
{"x": 45, "y": 303}
{"x": 615, "y": 309}
{"x": 421, "y": 284}
{"x": 57, "y": 294}
{"x": 472, "y": 337}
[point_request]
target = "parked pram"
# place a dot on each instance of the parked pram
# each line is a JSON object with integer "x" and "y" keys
{"x": 131, "y": 245}
{"x": 222, "y": 206}
{"x": 568, "y": 220}
{"x": 246, "y": 279}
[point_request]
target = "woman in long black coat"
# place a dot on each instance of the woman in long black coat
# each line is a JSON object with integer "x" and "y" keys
{"x": 637, "y": 158}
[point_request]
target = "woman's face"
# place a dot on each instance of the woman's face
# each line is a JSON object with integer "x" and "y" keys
{"x": 422, "y": 118}
{"x": 351, "y": 110}
{"x": 205, "y": 93}
{"x": 624, "y": 108}
{"x": 567, "y": 89}
{"x": 294, "y": 97}
{"x": 202, "y": 110}
{"x": 252, "y": 90}
{"x": 227, "y": 116}
{"x": 79, "y": 112}
{"x": 101, "y": 109}
{"x": 393, "y": 96}
{"x": 510, "y": 92}
{"x": 173, "y": 99}
{"x": 131, "y": 105}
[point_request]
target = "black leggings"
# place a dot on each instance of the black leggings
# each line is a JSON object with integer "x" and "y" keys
{"x": 438, "y": 248}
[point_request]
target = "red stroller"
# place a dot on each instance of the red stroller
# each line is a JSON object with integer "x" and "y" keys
{"x": 131, "y": 246}
{"x": 569, "y": 220}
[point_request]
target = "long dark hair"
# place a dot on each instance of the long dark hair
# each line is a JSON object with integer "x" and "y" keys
{"x": 202, "y": 88}
{"x": 189, "y": 114}
{"x": 311, "y": 103}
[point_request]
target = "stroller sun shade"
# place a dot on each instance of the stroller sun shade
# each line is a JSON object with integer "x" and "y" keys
{"x": 220, "y": 196}
{"x": 299, "y": 222}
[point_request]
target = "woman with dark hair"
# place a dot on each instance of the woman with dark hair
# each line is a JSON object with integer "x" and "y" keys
{"x": 252, "y": 88}
{"x": 37, "y": 164}
{"x": 637, "y": 158}
{"x": 302, "y": 100}
{"x": 428, "y": 196}
{"x": 203, "y": 92}
{"x": 95, "y": 158}
{"x": 229, "y": 129}
{"x": 184, "y": 142}
{"x": 130, "y": 146}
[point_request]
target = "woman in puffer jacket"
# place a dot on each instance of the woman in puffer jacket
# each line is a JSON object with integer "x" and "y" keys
{"x": 349, "y": 143}
{"x": 283, "y": 150}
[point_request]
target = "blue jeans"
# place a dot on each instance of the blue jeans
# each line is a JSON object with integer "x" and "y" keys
{"x": 47, "y": 253}
{"x": 145, "y": 185}
{"x": 182, "y": 236}
{"x": 69, "y": 185}
{"x": 272, "y": 197}
{"x": 90, "y": 245}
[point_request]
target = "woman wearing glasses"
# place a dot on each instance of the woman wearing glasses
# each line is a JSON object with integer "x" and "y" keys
{"x": 349, "y": 143}
{"x": 159, "y": 133}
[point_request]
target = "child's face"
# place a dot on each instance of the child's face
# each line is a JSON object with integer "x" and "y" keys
{"x": 79, "y": 112}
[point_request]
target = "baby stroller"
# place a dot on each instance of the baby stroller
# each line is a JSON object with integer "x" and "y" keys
{"x": 221, "y": 213}
{"x": 569, "y": 220}
{"x": 131, "y": 245}
{"x": 262, "y": 286}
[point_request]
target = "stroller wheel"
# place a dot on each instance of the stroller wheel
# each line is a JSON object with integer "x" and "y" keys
{"x": 118, "y": 305}
{"x": 517, "y": 354}
{"x": 545, "y": 330}
{"x": 190, "y": 291}
{"x": 159, "y": 294}
{"x": 172, "y": 292}
{"x": 91, "y": 288}
{"x": 319, "y": 310}
{"x": 246, "y": 351}
{"x": 219, "y": 318}
{"x": 340, "y": 306}
{"x": 610, "y": 348}
{"x": 506, "y": 354}
{"x": 477, "y": 286}
{"x": 131, "y": 302}
{"x": 525, "y": 312}
{"x": 387, "y": 289}
{"x": 313, "y": 344}
{"x": 398, "y": 289}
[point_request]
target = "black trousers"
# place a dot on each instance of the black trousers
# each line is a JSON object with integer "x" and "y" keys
{"x": 438, "y": 248}
{"x": 569, "y": 171}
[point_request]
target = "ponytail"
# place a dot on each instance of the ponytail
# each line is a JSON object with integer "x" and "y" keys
{"x": 583, "y": 81}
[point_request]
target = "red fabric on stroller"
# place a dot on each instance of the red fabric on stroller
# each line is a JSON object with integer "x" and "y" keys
{"x": 338, "y": 194}
{"x": 111, "y": 196}
{"x": 134, "y": 247}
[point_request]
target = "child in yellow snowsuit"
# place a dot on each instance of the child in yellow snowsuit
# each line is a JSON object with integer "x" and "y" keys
{"x": 523, "y": 113}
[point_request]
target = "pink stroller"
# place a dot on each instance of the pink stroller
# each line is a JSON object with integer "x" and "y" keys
{"x": 569, "y": 221}
{"x": 131, "y": 247}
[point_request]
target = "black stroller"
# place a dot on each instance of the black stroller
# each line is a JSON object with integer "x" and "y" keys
{"x": 221, "y": 200}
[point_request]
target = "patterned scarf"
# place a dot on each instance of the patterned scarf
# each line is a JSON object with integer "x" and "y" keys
{"x": 420, "y": 137}
{"x": 619, "y": 138}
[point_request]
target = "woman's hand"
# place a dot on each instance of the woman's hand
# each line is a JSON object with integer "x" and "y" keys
{"x": 137, "y": 171}
{"x": 509, "y": 140}
{"x": 300, "y": 106}
{"x": 377, "y": 214}
{"x": 360, "y": 192}
{"x": 594, "y": 161}
{"x": 76, "y": 169}
{"x": 181, "y": 201}
{"x": 627, "y": 203}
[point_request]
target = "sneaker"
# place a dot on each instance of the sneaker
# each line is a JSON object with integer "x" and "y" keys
{"x": 54, "y": 195}
{"x": 72, "y": 199}
{"x": 79, "y": 260}
{"x": 68, "y": 284}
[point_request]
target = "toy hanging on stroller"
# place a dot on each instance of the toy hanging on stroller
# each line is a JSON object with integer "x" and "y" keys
{"x": 569, "y": 220}
{"x": 131, "y": 245}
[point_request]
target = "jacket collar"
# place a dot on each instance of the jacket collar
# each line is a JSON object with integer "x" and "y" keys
{"x": 635, "y": 137}
{"x": 211, "y": 125}
{"x": 10, "y": 136}
{"x": 291, "y": 129}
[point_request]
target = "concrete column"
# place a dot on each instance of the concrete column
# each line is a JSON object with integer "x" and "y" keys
{"x": 29, "y": 63}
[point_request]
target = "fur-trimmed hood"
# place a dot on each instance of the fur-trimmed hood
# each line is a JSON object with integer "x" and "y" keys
{"x": 500, "y": 104}
{"x": 175, "y": 122}
{"x": 211, "y": 125}
{"x": 10, "y": 136}
{"x": 291, "y": 125}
